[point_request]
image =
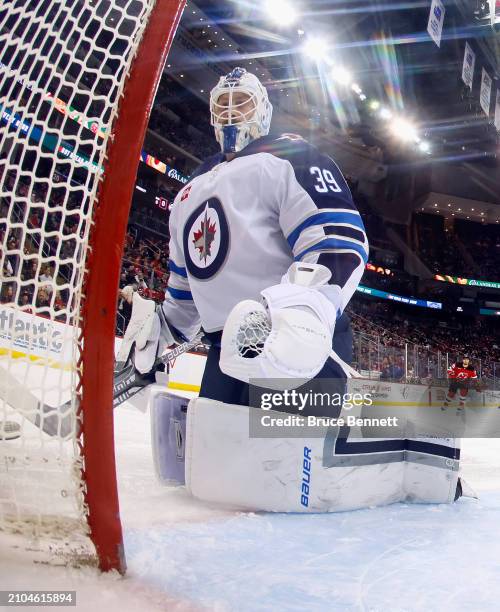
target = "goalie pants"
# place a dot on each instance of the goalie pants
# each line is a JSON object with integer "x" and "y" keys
{"x": 218, "y": 386}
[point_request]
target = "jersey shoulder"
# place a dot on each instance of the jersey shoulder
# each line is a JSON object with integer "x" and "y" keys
{"x": 291, "y": 147}
{"x": 315, "y": 171}
{"x": 207, "y": 165}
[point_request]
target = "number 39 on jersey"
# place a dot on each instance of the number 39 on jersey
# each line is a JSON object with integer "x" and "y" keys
{"x": 325, "y": 181}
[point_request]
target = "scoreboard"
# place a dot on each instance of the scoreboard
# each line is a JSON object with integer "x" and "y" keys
{"x": 150, "y": 198}
{"x": 162, "y": 203}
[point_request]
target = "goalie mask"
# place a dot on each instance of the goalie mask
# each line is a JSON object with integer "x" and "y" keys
{"x": 240, "y": 110}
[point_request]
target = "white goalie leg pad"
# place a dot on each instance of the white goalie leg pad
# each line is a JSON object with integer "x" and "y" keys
{"x": 168, "y": 434}
{"x": 431, "y": 478}
{"x": 224, "y": 466}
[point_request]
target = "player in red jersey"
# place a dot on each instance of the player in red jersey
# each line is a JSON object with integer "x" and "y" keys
{"x": 460, "y": 374}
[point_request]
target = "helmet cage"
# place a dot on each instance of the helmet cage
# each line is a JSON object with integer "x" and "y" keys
{"x": 234, "y": 125}
{"x": 230, "y": 113}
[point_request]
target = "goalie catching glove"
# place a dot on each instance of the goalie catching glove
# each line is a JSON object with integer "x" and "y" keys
{"x": 149, "y": 331}
{"x": 290, "y": 337}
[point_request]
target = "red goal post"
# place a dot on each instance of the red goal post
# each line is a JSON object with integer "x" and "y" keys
{"x": 85, "y": 267}
{"x": 99, "y": 311}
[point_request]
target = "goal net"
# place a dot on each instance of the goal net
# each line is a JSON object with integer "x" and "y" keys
{"x": 77, "y": 78}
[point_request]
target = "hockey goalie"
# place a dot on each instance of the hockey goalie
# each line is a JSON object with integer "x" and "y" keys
{"x": 266, "y": 250}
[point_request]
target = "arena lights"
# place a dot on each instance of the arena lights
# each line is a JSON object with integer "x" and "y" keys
{"x": 281, "y": 12}
{"x": 404, "y": 130}
{"x": 425, "y": 147}
{"x": 316, "y": 48}
{"x": 342, "y": 76}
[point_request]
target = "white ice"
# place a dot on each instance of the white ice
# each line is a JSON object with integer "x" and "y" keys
{"x": 183, "y": 555}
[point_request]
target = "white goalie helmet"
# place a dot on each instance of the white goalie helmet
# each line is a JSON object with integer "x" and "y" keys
{"x": 239, "y": 119}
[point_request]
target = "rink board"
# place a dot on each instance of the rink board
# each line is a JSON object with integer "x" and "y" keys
{"x": 187, "y": 373}
{"x": 31, "y": 339}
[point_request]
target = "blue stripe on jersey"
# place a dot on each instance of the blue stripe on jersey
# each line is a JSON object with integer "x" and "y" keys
{"x": 345, "y": 232}
{"x": 177, "y": 269}
{"x": 177, "y": 294}
{"x": 321, "y": 218}
{"x": 334, "y": 243}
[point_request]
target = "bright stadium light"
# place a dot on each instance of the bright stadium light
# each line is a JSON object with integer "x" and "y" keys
{"x": 425, "y": 147}
{"x": 341, "y": 76}
{"x": 385, "y": 113}
{"x": 281, "y": 12}
{"x": 404, "y": 130}
{"x": 374, "y": 104}
{"x": 356, "y": 88}
{"x": 316, "y": 48}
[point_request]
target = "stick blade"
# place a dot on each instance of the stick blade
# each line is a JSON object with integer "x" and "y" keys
{"x": 53, "y": 420}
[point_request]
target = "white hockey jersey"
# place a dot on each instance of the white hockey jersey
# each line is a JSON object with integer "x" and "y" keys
{"x": 237, "y": 227}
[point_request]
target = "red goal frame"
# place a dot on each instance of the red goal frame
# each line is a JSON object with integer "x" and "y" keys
{"x": 99, "y": 302}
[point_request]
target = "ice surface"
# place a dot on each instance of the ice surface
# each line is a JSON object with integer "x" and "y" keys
{"x": 398, "y": 558}
{"x": 183, "y": 555}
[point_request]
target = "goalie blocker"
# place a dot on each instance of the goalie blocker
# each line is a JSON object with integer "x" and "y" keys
{"x": 224, "y": 466}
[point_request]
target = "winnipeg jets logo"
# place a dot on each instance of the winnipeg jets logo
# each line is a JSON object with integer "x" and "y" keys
{"x": 235, "y": 75}
{"x": 204, "y": 237}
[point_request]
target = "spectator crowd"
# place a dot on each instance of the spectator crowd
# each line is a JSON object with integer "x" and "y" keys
{"x": 40, "y": 238}
{"x": 387, "y": 333}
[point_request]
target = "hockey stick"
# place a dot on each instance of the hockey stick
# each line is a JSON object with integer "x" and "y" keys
{"x": 128, "y": 381}
{"x": 59, "y": 420}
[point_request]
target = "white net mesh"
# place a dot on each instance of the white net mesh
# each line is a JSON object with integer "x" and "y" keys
{"x": 252, "y": 334}
{"x": 63, "y": 64}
